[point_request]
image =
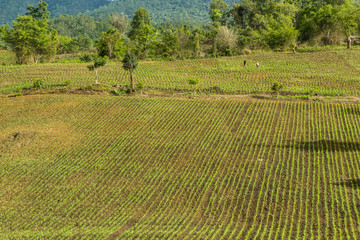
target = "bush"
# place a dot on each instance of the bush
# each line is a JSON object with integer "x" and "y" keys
{"x": 87, "y": 57}
{"x": 67, "y": 82}
{"x": 38, "y": 84}
{"x": 276, "y": 86}
{"x": 193, "y": 81}
{"x": 140, "y": 86}
{"x": 117, "y": 92}
{"x": 128, "y": 91}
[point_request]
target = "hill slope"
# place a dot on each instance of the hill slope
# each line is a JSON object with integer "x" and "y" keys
{"x": 9, "y": 10}
{"x": 186, "y": 11}
{"x": 175, "y": 11}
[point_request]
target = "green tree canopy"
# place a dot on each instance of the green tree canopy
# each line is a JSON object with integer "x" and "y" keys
{"x": 111, "y": 44}
{"x": 141, "y": 32}
{"x": 130, "y": 64}
{"x": 31, "y": 36}
{"x": 98, "y": 62}
{"x": 40, "y": 12}
{"x": 140, "y": 20}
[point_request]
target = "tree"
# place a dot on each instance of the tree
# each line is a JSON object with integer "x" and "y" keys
{"x": 169, "y": 45}
{"x": 226, "y": 39}
{"x": 280, "y": 36}
{"x": 328, "y": 24}
{"x": 141, "y": 31}
{"x": 193, "y": 82}
{"x": 39, "y": 13}
{"x": 31, "y": 36}
{"x": 130, "y": 64}
{"x": 219, "y": 11}
{"x": 98, "y": 62}
{"x": 276, "y": 87}
{"x": 348, "y": 14}
{"x": 265, "y": 23}
{"x": 121, "y": 23}
{"x": 111, "y": 44}
{"x": 141, "y": 18}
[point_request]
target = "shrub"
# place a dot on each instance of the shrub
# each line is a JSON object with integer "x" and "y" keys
{"x": 38, "y": 83}
{"x": 117, "y": 92}
{"x": 87, "y": 57}
{"x": 276, "y": 86}
{"x": 128, "y": 91}
{"x": 140, "y": 86}
{"x": 67, "y": 82}
{"x": 193, "y": 81}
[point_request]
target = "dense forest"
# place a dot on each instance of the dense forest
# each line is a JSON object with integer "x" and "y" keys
{"x": 9, "y": 10}
{"x": 230, "y": 30}
{"x": 192, "y": 12}
{"x": 175, "y": 11}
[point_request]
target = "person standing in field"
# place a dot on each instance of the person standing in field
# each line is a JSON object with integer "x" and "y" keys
{"x": 257, "y": 64}
{"x": 244, "y": 63}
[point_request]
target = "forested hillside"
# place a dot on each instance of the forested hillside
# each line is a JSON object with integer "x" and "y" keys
{"x": 176, "y": 11}
{"x": 9, "y": 10}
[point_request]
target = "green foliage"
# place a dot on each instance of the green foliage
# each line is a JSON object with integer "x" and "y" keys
{"x": 194, "y": 81}
{"x": 276, "y": 87}
{"x": 280, "y": 36}
{"x": 177, "y": 12}
{"x": 140, "y": 85}
{"x": 11, "y": 9}
{"x": 31, "y": 37}
{"x": 265, "y": 24}
{"x": 117, "y": 92}
{"x": 141, "y": 32}
{"x": 111, "y": 44}
{"x": 130, "y": 91}
{"x": 129, "y": 62}
{"x": 38, "y": 84}
{"x": 98, "y": 62}
{"x": 40, "y": 12}
{"x": 80, "y": 26}
{"x": 219, "y": 13}
{"x": 67, "y": 82}
{"x": 327, "y": 24}
{"x": 87, "y": 57}
{"x": 71, "y": 45}
{"x": 141, "y": 18}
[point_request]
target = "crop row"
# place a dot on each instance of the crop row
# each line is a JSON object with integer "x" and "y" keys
{"x": 164, "y": 168}
{"x": 327, "y": 72}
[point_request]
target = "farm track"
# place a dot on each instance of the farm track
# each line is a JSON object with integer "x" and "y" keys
{"x": 228, "y": 167}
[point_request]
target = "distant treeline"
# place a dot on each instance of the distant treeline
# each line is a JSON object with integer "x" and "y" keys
{"x": 252, "y": 24}
{"x": 175, "y": 11}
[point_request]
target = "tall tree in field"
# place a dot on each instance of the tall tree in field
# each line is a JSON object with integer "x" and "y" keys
{"x": 141, "y": 31}
{"x": 31, "y": 36}
{"x": 130, "y": 64}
